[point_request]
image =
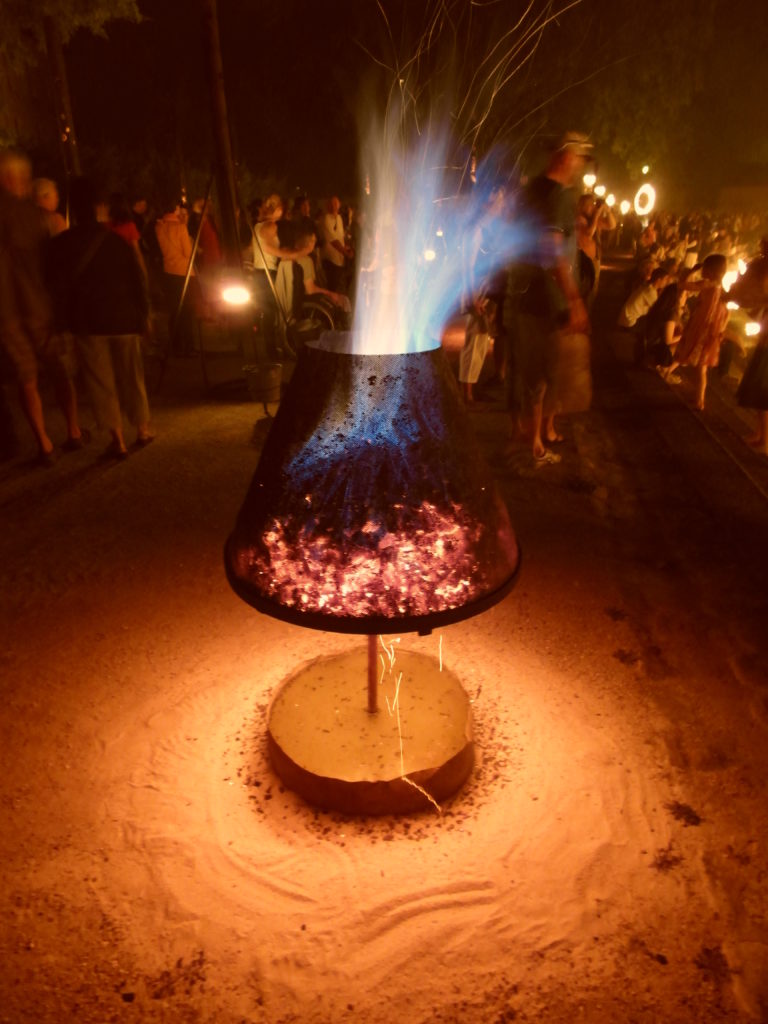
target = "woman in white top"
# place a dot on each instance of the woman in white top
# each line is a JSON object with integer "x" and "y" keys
{"x": 267, "y": 253}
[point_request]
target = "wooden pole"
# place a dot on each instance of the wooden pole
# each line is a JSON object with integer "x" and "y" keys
{"x": 225, "y": 172}
{"x": 64, "y": 118}
{"x": 373, "y": 705}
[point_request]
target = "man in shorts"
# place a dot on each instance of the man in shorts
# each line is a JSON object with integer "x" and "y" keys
{"x": 25, "y": 313}
{"x": 546, "y": 298}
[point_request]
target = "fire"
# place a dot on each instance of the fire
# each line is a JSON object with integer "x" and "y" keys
{"x": 433, "y": 566}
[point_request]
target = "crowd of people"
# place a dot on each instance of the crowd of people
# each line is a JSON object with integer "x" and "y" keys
{"x": 81, "y": 293}
{"x": 684, "y": 290}
{"x": 73, "y": 301}
{"x": 78, "y": 292}
{"x": 677, "y": 305}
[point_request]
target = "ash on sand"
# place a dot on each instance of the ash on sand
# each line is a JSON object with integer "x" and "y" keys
{"x": 152, "y": 867}
{"x": 268, "y": 795}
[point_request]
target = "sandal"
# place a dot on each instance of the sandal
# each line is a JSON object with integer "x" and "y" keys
{"x": 547, "y": 458}
{"x": 46, "y": 459}
{"x": 144, "y": 440}
{"x": 114, "y": 451}
{"x": 74, "y": 444}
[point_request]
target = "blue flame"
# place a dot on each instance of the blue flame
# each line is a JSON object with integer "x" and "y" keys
{"x": 434, "y": 246}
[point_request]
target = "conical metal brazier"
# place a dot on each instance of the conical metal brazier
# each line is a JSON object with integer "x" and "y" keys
{"x": 370, "y": 510}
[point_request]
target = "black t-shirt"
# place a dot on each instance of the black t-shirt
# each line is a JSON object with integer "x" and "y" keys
{"x": 96, "y": 282}
{"x": 546, "y": 206}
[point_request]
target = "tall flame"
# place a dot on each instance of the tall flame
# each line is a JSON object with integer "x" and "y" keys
{"x": 437, "y": 236}
{"x": 439, "y": 224}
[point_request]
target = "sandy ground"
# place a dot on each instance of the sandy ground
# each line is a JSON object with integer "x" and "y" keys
{"x": 606, "y": 860}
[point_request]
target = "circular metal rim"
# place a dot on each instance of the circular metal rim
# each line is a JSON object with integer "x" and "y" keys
{"x": 369, "y": 624}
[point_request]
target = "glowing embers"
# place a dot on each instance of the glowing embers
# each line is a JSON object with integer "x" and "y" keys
{"x": 425, "y": 565}
{"x": 416, "y": 750}
{"x": 370, "y": 509}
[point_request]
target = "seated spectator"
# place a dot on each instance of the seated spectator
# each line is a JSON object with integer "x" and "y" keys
{"x": 648, "y": 242}
{"x": 640, "y": 275}
{"x": 663, "y": 324}
{"x": 296, "y": 280}
{"x": 641, "y": 299}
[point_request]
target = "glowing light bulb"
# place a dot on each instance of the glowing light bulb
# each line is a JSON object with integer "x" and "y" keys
{"x": 429, "y": 255}
{"x": 624, "y": 207}
{"x": 600, "y": 190}
{"x": 235, "y": 294}
{"x": 752, "y": 329}
{"x": 439, "y": 232}
{"x": 731, "y": 305}
{"x": 645, "y": 199}
{"x": 610, "y": 199}
{"x": 645, "y": 168}
{"x": 729, "y": 279}
{"x": 589, "y": 180}
{"x": 741, "y": 265}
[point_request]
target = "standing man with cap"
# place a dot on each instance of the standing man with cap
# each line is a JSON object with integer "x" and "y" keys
{"x": 543, "y": 289}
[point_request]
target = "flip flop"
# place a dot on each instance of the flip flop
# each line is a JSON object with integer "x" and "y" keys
{"x": 547, "y": 458}
{"x": 74, "y": 444}
{"x": 113, "y": 452}
{"x": 47, "y": 459}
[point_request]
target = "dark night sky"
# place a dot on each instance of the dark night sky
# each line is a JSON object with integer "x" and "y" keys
{"x": 296, "y": 74}
{"x": 287, "y": 73}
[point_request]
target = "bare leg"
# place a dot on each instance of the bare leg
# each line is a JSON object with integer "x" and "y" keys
{"x": 538, "y": 444}
{"x": 33, "y": 410}
{"x": 519, "y": 427}
{"x": 67, "y": 397}
{"x": 118, "y": 441}
{"x": 550, "y": 431}
{"x": 759, "y": 437}
{"x": 763, "y": 420}
{"x": 701, "y": 387}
